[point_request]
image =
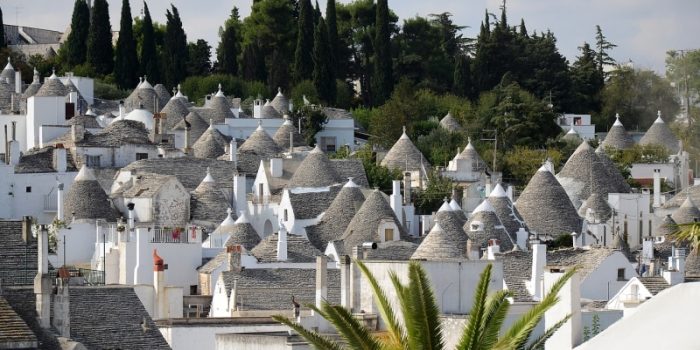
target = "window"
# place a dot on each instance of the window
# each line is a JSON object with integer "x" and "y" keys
{"x": 286, "y": 216}
{"x": 649, "y": 227}
{"x": 388, "y": 234}
{"x": 260, "y": 190}
{"x": 641, "y": 231}
{"x": 92, "y": 161}
{"x": 328, "y": 143}
{"x": 29, "y": 189}
{"x": 140, "y": 156}
{"x": 621, "y": 275}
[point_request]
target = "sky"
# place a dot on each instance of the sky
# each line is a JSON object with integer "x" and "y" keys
{"x": 643, "y": 30}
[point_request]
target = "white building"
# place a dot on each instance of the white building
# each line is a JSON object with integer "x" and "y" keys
{"x": 580, "y": 123}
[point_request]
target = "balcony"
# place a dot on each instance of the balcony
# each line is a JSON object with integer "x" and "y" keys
{"x": 50, "y": 203}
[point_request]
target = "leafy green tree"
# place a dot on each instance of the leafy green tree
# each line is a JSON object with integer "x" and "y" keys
{"x": 253, "y": 63}
{"x": 378, "y": 176}
{"x": 462, "y": 81}
{"x": 421, "y": 327}
{"x": 74, "y": 51}
{"x": 683, "y": 69}
{"x": 198, "y": 62}
{"x": 603, "y": 47}
{"x": 587, "y": 82}
{"x": 637, "y": 95}
{"x": 421, "y": 56}
{"x": 383, "y": 78}
{"x": 304, "y": 90}
{"x": 497, "y": 53}
{"x": 428, "y": 200}
{"x": 148, "y": 54}
{"x": 401, "y": 109}
{"x": 323, "y": 78}
{"x": 521, "y": 162}
{"x": 175, "y": 50}
{"x": 126, "y": 61}
{"x": 230, "y": 45}
{"x": 438, "y": 144}
{"x": 100, "y": 54}
{"x": 332, "y": 24}
{"x": 312, "y": 121}
{"x": 546, "y": 72}
{"x": 270, "y": 26}
{"x": 303, "y": 63}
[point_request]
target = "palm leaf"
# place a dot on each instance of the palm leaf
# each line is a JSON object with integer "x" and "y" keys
{"x": 423, "y": 313}
{"x": 495, "y": 313}
{"x": 688, "y": 232}
{"x": 397, "y": 338}
{"x": 470, "y": 337}
{"x": 318, "y": 341}
{"x": 518, "y": 334}
{"x": 354, "y": 332}
{"x": 538, "y": 343}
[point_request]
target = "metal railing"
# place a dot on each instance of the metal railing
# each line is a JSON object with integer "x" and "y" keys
{"x": 50, "y": 202}
{"x": 170, "y": 235}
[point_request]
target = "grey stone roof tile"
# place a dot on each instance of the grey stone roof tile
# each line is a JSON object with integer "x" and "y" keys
{"x": 281, "y": 136}
{"x": 314, "y": 171}
{"x": 87, "y": 200}
{"x": 118, "y": 133}
{"x": 660, "y": 134}
{"x": 18, "y": 259}
{"x": 392, "y": 250}
{"x": 309, "y": 205}
{"x": 485, "y": 225}
{"x": 446, "y": 240}
{"x": 23, "y": 302}
{"x": 197, "y": 125}
{"x": 299, "y": 249}
{"x": 174, "y": 111}
{"x": 687, "y": 212}
{"x": 52, "y": 87}
{"x": 189, "y": 171}
{"x": 13, "y": 330}
{"x": 617, "y": 137}
{"x": 449, "y": 123}
{"x": 405, "y": 155}
{"x": 40, "y": 160}
{"x": 211, "y": 144}
{"x": 337, "y": 217}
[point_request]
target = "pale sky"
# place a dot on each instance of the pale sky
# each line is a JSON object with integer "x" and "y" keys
{"x": 643, "y": 29}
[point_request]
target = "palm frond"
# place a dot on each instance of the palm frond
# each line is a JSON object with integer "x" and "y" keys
{"x": 495, "y": 312}
{"x": 318, "y": 341}
{"x": 538, "y": 343}
{"x": 518, "y": 334}
{"x": 354, "y": 332}
{"x": 470, "y": 337}
{"x": 423, "y": 313}
{"x": 397, "y": 337}
{"x": 688, "y": 232}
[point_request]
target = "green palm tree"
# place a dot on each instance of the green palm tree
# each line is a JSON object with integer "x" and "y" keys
{"x": 689, "y": 233}
{"x": 421, "y": 328}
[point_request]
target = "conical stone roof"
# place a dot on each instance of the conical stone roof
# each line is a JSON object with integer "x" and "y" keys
{"x": 163, "y": 95}
{"x": 546, "y": 207}
{"x": 692, "y": 263}
{"x": 5, "y": 96}
{"x": 484, "y": 225}
{"x": 52, "y": 87}
{"x": 365, "y": 224}
{"x": 617, "y": 137}
{"x": 269, "y": 112}
{"x": 404, "y": 155}
{"x": 686, "y": 213}
{"x": 470, "y": 154}
{"x": 87, "y": 200}
{"x": 506, "y": 211}
{"x": 337, "y": 217}
{"x": 660, "y": 134}
{"x": 8, "y": 72}
{"x": 449, "y": 123}
{"x": 242, "y": 233}
{"x": 174, "y": 111}
{"x": 260, "y": 143}
{"x": 446, "y": 240}
{"x": 221, "y": 106}
{"x": 314, "y": 171}
{"x": 599, "y": 206}
{"x": 197, "y": 125}
{"x": 620, "y": 244}
{"x": 282, "y": 135}
{"x": 211, "y": 144}
{"x": 34, "y": 87}
{"x": 571, "y": 136}
{"x": 667, "y": 227}
{"x": 614, "y": 178}
{"x": 207, "y": 202}
{"x": 280, "y": 103}
{"x": 144, "y": 95}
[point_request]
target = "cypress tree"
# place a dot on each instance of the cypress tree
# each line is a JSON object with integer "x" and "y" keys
{"x": 462, "y": 85}
{"x": 603, "y": 46}
{"x": 74, "y": 51}
{"x": 149, "y": 53}
{"x": 3, "y": 41}
{"x": 383, "y": 71}
{"x": 323, "y": 78}
{"x": 100, "y": 54}
{"x": 230, "y": 45}
{"x": 253, "y": 63}
{"x": 126, "y": 62}
{"x": 303, "y": 64}
{"x": 317, "y": 14}
{"x": 332, "y": 24}
{"x": 278, "y": 75}
{"x": 175, "y": 52}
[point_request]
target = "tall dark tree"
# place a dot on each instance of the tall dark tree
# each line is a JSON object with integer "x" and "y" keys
{"x": 497, "y": 54}
{"x": 587, "y": 82}
{"x": 462, "y": 83}
{"x": 100, "y": 54}
{"x": 323, "y": 78}
{"x": 253, "y": 63}
{"x": 74, "y": 51}
{"x": 174, "y": 49}
{"x": 603, "y": 47}
{"x": 332, "y": 24}
{"x": 303, "y": 63}
{"x": 3, "y": 40}
{"x": 198, "y": 62}
{"x": 546, "y": 72}
{"x": 278, "y": 74}
{"x": 383, "y": 78}
{"x": 317, "y": 14}
{"x": 149, "y": 52}
{"x": 126, "y": 61}
{"x": 230, "y": 45}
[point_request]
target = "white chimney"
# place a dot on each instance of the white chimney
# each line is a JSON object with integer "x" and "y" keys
{"x": 407, "y": 187}
{"x": 59, "y": 199}
{"x": 233, "y": 151}
{"x": 291, "y": 142}
{"x": 161, "y": 299}
{"x": 121, "y": 110}
{"x": 509, "y": 193}
{"x": 18, "y": 82}
{"x": 60, "y": 161}
{"x": 539, "y": 260}
{"x": 487, "y": 189}
{"x": 239, "y": 192}
{"x": 42, "y": 281}
{"x": 257, "y": 109}
{"x": 131, "y": 219}
{"x": 282, "y": 243}
{"x": 657, "y": 188}
{"x": 493, "y": 249}
{"x": 574, "y": 240}
{"x": 521, "y": 237}
{"x": 14, "y": 146}
{"x": 276, "y": 167}
{"x": 676, "y": 267}
{"x": 570, "y": 334}
{"x": 396, "y": 200}
{"x": 321, "y": 280}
